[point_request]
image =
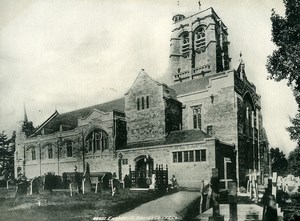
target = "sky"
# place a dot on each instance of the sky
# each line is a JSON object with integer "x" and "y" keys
{"x": 67, "y": 54}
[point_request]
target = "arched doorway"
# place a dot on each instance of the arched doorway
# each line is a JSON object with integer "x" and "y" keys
{"x": 143, "y": 171}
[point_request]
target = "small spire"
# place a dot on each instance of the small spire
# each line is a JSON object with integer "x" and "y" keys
{"x": 25, "y": 115}
{"x": 199, "y": 3}
{"x": 241, "y": 67}
{"x": 241, "y": 58}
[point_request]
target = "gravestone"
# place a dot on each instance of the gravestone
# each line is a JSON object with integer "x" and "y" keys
{"x": 86, "y": 183}
{"x": 73, "y": 188}
{"x": 202, "y": 201}
{"x": 153, "y": 181}
{"x": 50, "y": 182}
{"x": 232, "y": 199}
{"x": 115, "y": 185}
{"x": 215, "y": 197}
{"x": 127, "y": 181}
{"x": 65, "y": 181}
{"x": 10, "y": 183}
{"x": 34, "y": 186}
{"x": 22, "y": 185}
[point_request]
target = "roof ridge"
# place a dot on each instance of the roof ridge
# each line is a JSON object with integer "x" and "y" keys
{"x": 87, "y": 107}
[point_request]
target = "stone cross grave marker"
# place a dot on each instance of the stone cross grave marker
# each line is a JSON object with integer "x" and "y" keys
{"x": 86, "y": 183}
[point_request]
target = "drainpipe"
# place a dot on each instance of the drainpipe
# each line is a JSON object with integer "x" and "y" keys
{"x": 59, "y": 142}
{"x": 253, "y": 139}
{"x": 237, "y": 167}
{"x": 83, "y": 152}
{"x": 40, "y": 158}
{"x": 24, "y": 155}
{"x": 258, "y": 147}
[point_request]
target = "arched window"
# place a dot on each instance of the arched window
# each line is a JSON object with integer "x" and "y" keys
{"x": 97, "y": 140}
{"x": 69, "y": 146}
{"x": 33, "y": 154}
{"x": 50, "y": 152}
{"x": 200, "y": 41}
{"x": 185, "y": 42}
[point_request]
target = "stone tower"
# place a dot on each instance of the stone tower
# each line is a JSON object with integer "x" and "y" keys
{"x": 198, "y": 46}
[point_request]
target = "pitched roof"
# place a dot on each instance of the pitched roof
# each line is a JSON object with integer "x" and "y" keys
{"x": 70, "y": 119}
{"x": 142, "y": 72}
{"x": 186, "y": 136}
{"x": 191, "y": 86}
{"x": 174, "y": 137}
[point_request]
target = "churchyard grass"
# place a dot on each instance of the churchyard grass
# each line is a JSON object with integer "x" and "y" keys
{"x": 61, "y": 206}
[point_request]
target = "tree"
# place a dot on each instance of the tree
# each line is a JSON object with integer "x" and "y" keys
{"x": 294, "y": 162}
{"x": 7, "y": 149}
{"x": 279, "y": 161}
{"x": 294, "y": 130}
{"x": 284, "y": 63}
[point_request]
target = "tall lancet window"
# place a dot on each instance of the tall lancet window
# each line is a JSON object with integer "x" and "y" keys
{"x": 143, "y": 104}
{"x": 50, "y": 152}
{"x": 69, "y": 146}
{"x": 138, "y": 103}
{"x": 33, "y": 154}
{"x": 197, "y": 117}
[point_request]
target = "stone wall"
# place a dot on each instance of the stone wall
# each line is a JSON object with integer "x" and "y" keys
{"x": 145, "y": 123}
{"x": 218, "y": 108}
{"x": 195, "y": 60}
{"x": 100, "y": 160}
{"x": 252, "y": 143}
{"x": 188, "y": 174}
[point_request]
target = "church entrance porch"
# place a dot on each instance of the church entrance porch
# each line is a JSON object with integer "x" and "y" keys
{"x": 141, "y": 177}
{"x": 146, "y": 176}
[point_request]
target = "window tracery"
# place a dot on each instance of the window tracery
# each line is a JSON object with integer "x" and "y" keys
{"x": 97, "y": 140}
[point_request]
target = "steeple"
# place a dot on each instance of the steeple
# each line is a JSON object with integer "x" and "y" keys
{"x": 25, "y": 115}
{"x": 27, "y": 126}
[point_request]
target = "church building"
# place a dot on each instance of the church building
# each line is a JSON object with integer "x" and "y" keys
{"x": 208, "y": 117}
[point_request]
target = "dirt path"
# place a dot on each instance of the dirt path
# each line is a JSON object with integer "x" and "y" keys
{"x": 170, "y": 207}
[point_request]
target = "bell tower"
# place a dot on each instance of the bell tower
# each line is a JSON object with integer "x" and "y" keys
{"x": 198, "y": 46}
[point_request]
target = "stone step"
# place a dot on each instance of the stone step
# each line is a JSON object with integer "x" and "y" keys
{"x": 245, "y": 212}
